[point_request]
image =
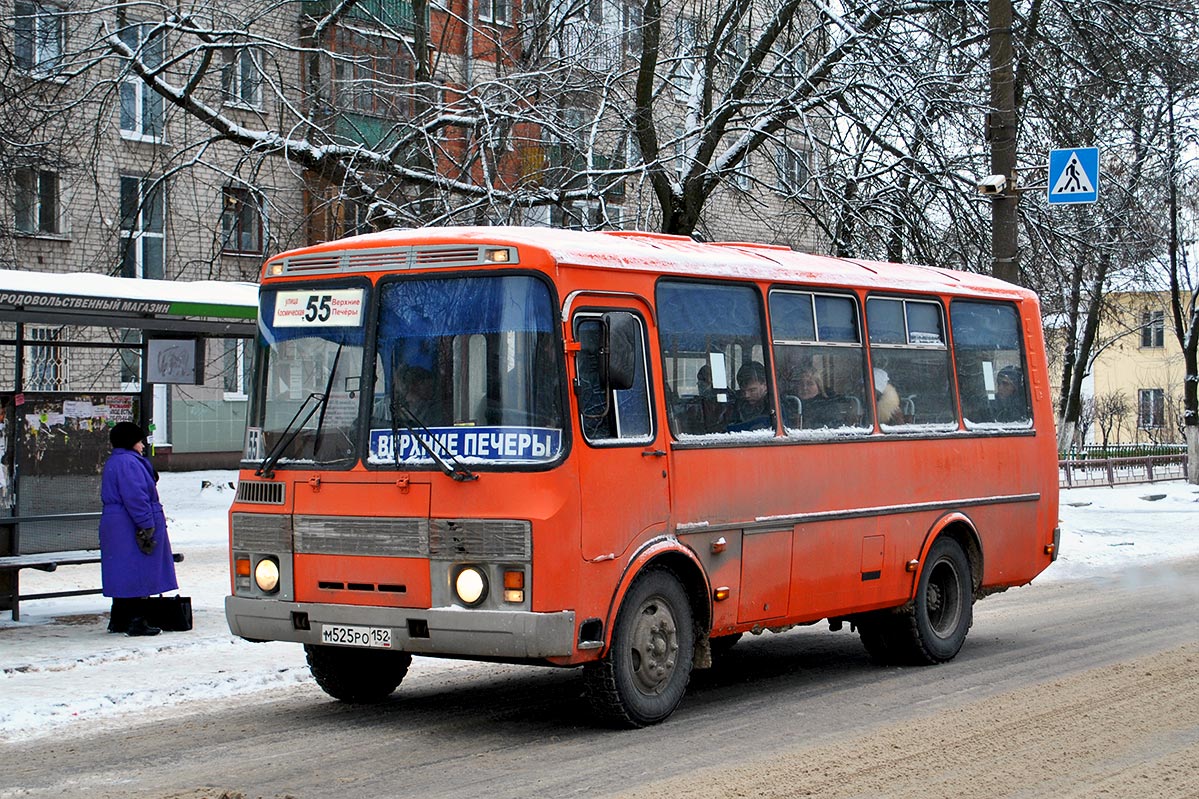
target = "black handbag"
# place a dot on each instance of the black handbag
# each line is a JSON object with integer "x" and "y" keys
{"x": 169, "y": 613}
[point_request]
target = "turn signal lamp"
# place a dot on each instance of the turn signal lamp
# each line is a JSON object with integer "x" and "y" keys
{"x": 514, "y": 586}
{"x": 722, "y": 593}
{"x": 242, "y": 566}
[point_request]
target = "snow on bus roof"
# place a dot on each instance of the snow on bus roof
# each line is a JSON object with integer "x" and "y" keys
{"x": 671, "y": 254}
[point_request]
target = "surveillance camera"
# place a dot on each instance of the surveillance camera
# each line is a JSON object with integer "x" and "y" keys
{"x": 992, "y": 184}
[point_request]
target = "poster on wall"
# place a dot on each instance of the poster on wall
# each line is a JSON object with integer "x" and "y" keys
{"x": 67, "y": 434}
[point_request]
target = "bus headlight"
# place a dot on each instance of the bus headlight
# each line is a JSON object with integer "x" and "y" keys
{"x": 470, "y": 585}
{"x": 266, "y": 575}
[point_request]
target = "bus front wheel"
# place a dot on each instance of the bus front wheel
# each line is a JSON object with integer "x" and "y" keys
{"x": 357, "y": 675}
{"x": 642, "y": 678}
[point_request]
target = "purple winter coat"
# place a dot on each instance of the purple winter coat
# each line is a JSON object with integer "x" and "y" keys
{"x": 131, "y": 503}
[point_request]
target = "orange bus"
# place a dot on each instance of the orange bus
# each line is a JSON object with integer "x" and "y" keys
{"x": 622, "y": 451}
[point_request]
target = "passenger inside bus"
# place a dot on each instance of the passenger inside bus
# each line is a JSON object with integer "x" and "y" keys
{"x": 751, "y": 411}
{"x": 1011, "y": 400}
{"x": 817, "y": 407}
{"x": 890, "y": 411}
{"x": 709, "y": 409}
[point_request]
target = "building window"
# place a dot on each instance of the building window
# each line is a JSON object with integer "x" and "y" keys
{"x": 46, "y": 363}
{"x": 142, "y": 226}
{"x": 236, "y": 371}
{"x": 141, "y": 107}
{"x": 497, "y": 11}
{"x": 37, "y": 35}
{"x": 241, "y": 222}
{"x": 241, "y": 77}
{"x": 37, "y": 201}
{"x": 1153, "y": 329}
{"x": 1151, "y": 408}
{"x": 373, "y": 75}
{"x": 792, "y": 165}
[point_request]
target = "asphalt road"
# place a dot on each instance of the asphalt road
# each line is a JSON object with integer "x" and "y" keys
{"x": 805, "y": 701}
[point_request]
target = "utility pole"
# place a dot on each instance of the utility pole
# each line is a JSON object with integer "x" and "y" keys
{"x": 1001, "y": 135}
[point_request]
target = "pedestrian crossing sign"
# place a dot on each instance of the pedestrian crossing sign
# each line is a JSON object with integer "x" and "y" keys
{"x": 1074, "y": 175}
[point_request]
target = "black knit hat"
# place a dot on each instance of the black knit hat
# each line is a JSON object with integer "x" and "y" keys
{"x": 124, "y": 435}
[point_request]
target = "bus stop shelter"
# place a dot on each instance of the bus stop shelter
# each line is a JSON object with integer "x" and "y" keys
{"x": 125, "y": 335}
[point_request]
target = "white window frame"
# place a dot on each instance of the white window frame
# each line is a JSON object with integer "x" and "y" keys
{"x": 139, "y": 233}
{"x": 793, "y": 167}
{"x": 46, "y": 36}
{"x": 49, "y": 356}
{"x": 146, "y": 104}
{"x": 241, "y": 78}
{"x": 497, "y": 12}
{"x": 31, "y": 187}
{"x": 235, "y": 391}
{"x": 1153, "y": 329}
{"x": 1155, "y": 396}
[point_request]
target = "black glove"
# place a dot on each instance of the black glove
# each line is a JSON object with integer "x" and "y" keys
{"x": 145, "y": 540}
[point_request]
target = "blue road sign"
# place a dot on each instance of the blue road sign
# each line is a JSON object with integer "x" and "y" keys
{"x": 1074, "y": 175}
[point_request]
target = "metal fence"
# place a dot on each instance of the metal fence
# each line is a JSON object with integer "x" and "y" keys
{"x": 1092, "y": 471}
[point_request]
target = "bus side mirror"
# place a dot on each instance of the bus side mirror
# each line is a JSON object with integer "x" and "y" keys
{"x": 618, "y": 352}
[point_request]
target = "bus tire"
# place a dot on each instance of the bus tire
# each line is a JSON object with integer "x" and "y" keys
{"x": 944, "y": 607}
{"x": 358, "y": 676}
{"x": 642, "y": 678}
{"x": 880, "y": 634}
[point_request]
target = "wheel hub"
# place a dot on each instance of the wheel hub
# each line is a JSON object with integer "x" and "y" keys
{"x": 655, "y": 645}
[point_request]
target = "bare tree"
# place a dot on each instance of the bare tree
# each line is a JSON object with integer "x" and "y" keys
{"x": 1111, "y": 410}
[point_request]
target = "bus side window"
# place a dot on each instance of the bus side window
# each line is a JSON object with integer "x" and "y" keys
{"x": 608, "y": 415}
{"x": 710, "y": 333}
{"x": 910, "y": 356}
{"x": 991, "y": 368}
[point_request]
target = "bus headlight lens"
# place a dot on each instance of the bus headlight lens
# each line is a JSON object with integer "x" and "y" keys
{"x": 266, "y": 575}
{"x": 470, "y": 584}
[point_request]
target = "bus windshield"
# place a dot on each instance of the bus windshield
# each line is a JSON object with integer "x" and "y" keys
{"x": 466, "y": 371}
{"x": 306, "y": 405}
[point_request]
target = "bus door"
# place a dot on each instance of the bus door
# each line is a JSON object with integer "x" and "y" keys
{"x": 621, "y": 450}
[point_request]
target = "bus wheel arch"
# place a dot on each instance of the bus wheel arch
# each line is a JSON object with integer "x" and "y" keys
{"x": 959, "y": 527}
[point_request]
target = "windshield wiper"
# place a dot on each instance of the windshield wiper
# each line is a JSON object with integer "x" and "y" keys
{"x": 456, "y": 471}
{"x": 291, "y": 431}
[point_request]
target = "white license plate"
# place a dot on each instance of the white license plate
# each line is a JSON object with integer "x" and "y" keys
{"x": 347, "y": 635}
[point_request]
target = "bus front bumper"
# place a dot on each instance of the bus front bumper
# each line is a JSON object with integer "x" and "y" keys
{"x": 433, "y": 631}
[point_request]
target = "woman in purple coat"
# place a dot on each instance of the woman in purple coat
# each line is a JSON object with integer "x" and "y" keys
{"x": 135, "y": 553}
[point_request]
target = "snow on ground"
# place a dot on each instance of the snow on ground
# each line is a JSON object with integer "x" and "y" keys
{"x": 61, "y": 671}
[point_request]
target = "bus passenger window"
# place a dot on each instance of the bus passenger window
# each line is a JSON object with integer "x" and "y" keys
{"x": 821, "y": 364}
{"x": 606, "y": 415}
{"x": 910, "y": 356}
{"x": 712, "y": 339}
{"x": 991, "y": 372}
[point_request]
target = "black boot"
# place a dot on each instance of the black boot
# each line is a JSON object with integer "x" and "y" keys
{"x": 123, "y": 611}
{"x": 138, "y": 626}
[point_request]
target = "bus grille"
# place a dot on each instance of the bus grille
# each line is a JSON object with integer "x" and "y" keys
{"x": 480, "y": 538}
{"x": 362, "y": 535}
{"x": 260, "y": 493}
{"x": 261, "y": 532}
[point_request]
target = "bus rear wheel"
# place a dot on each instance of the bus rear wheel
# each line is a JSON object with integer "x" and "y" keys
{"x": 934, "y": 627}
{"x": 642, "y": 678}
{"x": 359, "y": 676}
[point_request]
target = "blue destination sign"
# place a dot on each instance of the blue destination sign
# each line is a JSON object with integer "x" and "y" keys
{"x": 510, "y": 444}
